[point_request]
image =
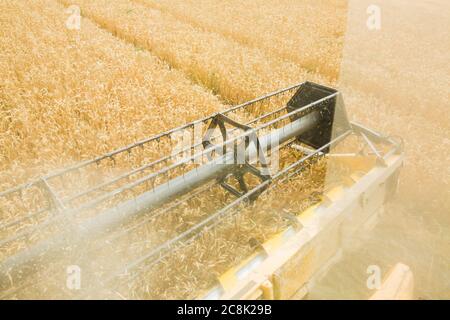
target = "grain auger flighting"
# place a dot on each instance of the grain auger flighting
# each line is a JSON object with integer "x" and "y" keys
{"x": 237, "y": 155}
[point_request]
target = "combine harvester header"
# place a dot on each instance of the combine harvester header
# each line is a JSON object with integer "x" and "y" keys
{"x": 236, "y": 150}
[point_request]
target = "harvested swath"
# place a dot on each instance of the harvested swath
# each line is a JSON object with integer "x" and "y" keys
{"x": 236, "y": 72}
{"x": 309, "y": 33}
{"x": 69, "y": 95}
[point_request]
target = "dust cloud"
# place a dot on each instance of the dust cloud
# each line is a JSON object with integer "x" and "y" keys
{"x": 394, "y": 78}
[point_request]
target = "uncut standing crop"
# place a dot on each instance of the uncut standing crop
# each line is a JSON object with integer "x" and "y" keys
{"x": 67, "y": 95}
{"x": 308, "y": 32}
{"x": 235, "y": 72}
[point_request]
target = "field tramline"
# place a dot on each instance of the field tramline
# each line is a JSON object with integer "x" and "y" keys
{"x": 291, "y": 30}
{"x": 235, "y": 72}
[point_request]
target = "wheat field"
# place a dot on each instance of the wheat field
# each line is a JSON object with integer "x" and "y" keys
{"x": 135, "y": 68}
{"x": 73, "y": 95}
{"x": 235, "y": 72}
{"x": 284, "y": 29}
